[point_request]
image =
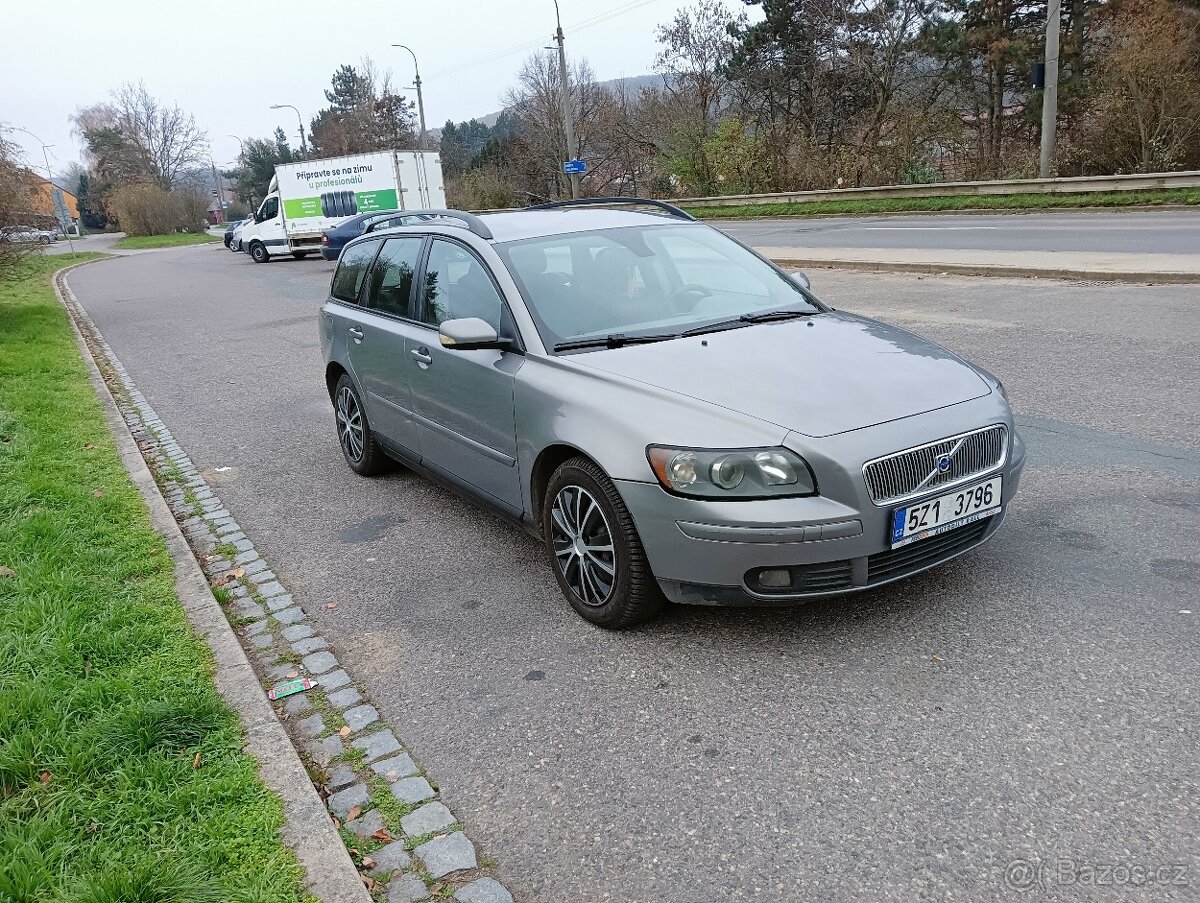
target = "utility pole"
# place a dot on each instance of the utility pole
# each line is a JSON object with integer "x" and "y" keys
{"x": 220, "y": 188}
{"x": 50, "y": 181}
{"x": 1050, "y": 92}
{"x": 568, "y": 121}
{"x": 299, "y": 119}
{"x": 420, "y": 99}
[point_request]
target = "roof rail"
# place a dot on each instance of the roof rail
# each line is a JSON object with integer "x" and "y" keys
{"x": 470, "y": 220}
{"x": 671, "y": 209}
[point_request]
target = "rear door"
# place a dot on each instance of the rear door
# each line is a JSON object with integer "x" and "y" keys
{"x": 377, "y": 352}
{"x": 463, "y": 400}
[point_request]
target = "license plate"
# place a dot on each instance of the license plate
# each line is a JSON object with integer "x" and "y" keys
{"x": 954, "y": 509}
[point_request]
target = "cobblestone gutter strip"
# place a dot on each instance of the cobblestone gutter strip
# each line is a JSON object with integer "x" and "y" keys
{"x": 406, "y": 844}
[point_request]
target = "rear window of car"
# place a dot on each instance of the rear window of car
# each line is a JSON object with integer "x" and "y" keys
{"x": 352, "y": 268}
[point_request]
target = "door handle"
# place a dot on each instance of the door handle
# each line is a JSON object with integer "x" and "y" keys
{"x": 357, "y": 334}
{"x": 422, "y": 355}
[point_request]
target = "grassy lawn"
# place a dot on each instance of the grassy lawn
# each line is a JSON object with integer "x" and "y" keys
{"x": 945, "y": 204}
{"x": 122, "y": 776}
{"x": 174, "y": 240}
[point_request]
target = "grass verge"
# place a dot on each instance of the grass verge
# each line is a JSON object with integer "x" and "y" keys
{"x": 174, "y": 240}
{"x": 948, "y": 204}
{"x": 122, "y": 775}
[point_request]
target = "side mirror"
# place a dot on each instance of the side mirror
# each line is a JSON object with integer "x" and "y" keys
{"x": 801, "y": 279}
{"x": 469, "y": 334}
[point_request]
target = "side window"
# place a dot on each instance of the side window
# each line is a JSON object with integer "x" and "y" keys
{"x": 352, "y": 267}
{"x": 457, "y": 285}
{"x": 269, "y": 209}
{"x": 390, "y": 283}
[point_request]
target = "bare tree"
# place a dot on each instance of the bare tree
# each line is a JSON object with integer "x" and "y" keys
{"x": 18, "y": 190}
{"x": 135, "y": 134}
{"x": 536, "y": 108}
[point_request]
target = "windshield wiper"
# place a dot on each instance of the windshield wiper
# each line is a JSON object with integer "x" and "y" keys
{"x": 769, "y": 316}
{"x": 616, "y": 340}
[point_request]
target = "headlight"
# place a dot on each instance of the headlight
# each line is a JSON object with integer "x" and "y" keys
{"x": 741, "y": 473}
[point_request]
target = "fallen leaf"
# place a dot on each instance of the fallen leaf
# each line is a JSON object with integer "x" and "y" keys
{"x": 331, "y": 605}
{"x": 937, "y": 658}
{"x": 46, "y": 777}
{"x": 354, "y": 813}
{"x": 89, "y": 445}
{"x": 7, "y": 572}
{"x": 236, "y": 574}
{"x": 99, "y": 493}
{"x": 381, "y": 834}
{"x": 368, "y": 862}
{"x": 336, "y": 824}
{"x": 345, "y": 731}
{"x": 368, "y": 882}
{"x": 87, "y": 666}
{"x": 292, "y": 675}
{"x": 393, "y": 774}
{"x": 196, "y": 761}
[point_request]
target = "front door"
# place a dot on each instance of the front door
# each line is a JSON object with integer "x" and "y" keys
{"x": 463, "y": 400}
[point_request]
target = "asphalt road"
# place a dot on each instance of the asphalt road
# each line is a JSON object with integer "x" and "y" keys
{"x": 1159, "y": 232}
{"x": 1032, "y": 701}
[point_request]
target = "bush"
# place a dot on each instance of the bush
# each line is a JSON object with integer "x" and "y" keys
{"x": 150, "y": 210}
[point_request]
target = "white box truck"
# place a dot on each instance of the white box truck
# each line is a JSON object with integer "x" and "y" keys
{"x": 308, "y": 197}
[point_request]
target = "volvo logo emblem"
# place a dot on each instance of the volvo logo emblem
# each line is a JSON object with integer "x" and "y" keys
{"x": 944, "y": 463}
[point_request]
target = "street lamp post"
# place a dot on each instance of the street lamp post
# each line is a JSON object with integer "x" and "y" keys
{"x": 420, "y": 99}
{"x": 1050, "y": 92}
{"x": 568, "y": 119}
{"x": 299, "y": 119}
{"x": 49, "y": 176}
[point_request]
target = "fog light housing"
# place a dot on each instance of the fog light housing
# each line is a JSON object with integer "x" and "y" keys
{"x": 775, "y": 577}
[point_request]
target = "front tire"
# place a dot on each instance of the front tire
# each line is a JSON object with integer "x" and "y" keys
{"x": 594, "y": 548}
{"x": 359, "y": 446}
{"x": 259, "y": 253}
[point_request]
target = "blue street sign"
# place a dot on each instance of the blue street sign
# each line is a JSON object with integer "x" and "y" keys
{"x": 571, "y": 167}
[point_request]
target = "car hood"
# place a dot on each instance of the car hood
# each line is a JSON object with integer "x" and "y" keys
{"x": 819, "y": 376}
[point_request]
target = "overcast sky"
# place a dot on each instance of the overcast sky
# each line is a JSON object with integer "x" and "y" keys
{"x": 227, "y": 62}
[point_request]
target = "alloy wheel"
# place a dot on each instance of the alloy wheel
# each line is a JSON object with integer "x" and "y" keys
{"x": 349, "y": 424}
{"x": 583, "y": 545}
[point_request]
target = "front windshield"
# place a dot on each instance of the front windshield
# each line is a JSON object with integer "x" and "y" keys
{"x": 644, "y": 280}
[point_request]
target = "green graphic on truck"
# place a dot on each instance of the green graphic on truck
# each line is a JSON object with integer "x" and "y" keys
{"x": 342, "y": 203}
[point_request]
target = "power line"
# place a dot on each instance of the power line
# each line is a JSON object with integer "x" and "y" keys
{"x": 597, "y": 19}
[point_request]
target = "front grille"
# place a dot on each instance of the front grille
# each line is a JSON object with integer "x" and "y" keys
{"x": 897, "y": 562}
{"x": 905, "y": 473}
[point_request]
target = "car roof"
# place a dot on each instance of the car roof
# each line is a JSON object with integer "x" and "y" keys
{"x": 514, "y": 225}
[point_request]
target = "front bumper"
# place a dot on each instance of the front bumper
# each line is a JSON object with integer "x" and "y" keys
{"x": 706, "y": 552}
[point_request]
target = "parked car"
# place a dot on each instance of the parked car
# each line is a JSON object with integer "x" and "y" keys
{"x": 672, "y": 414}
{"x": 333, "y": 240}
{"x": 27, "y": 234}
{"x": 230, "y": 229}
{"x": 235, "y": 239}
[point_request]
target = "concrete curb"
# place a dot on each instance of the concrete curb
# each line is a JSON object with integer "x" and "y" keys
{"x": 973, "y": 211}
{"x": 330, "y": 873}
{"x": 958, "y": 269}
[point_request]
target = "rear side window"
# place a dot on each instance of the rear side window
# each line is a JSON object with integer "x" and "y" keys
{"x": 391, "y": 279}
{"x": 348, "y": 280}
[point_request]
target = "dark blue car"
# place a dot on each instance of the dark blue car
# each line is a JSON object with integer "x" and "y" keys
{"x": 333, "y": 240}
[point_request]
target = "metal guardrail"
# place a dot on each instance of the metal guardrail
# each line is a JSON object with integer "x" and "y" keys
{"x": 1078, "y": 185}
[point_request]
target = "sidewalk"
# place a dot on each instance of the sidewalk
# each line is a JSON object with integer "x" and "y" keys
{"x": 1105, "y": 267}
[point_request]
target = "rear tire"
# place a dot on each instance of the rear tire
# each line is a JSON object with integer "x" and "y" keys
{"x": 359, "y": 447}
{"x": 259, "y": 253}
{"x": 594, "y": 548}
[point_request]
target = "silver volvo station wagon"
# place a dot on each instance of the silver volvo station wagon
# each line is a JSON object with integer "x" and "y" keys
{"x": 674, "y": 416}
